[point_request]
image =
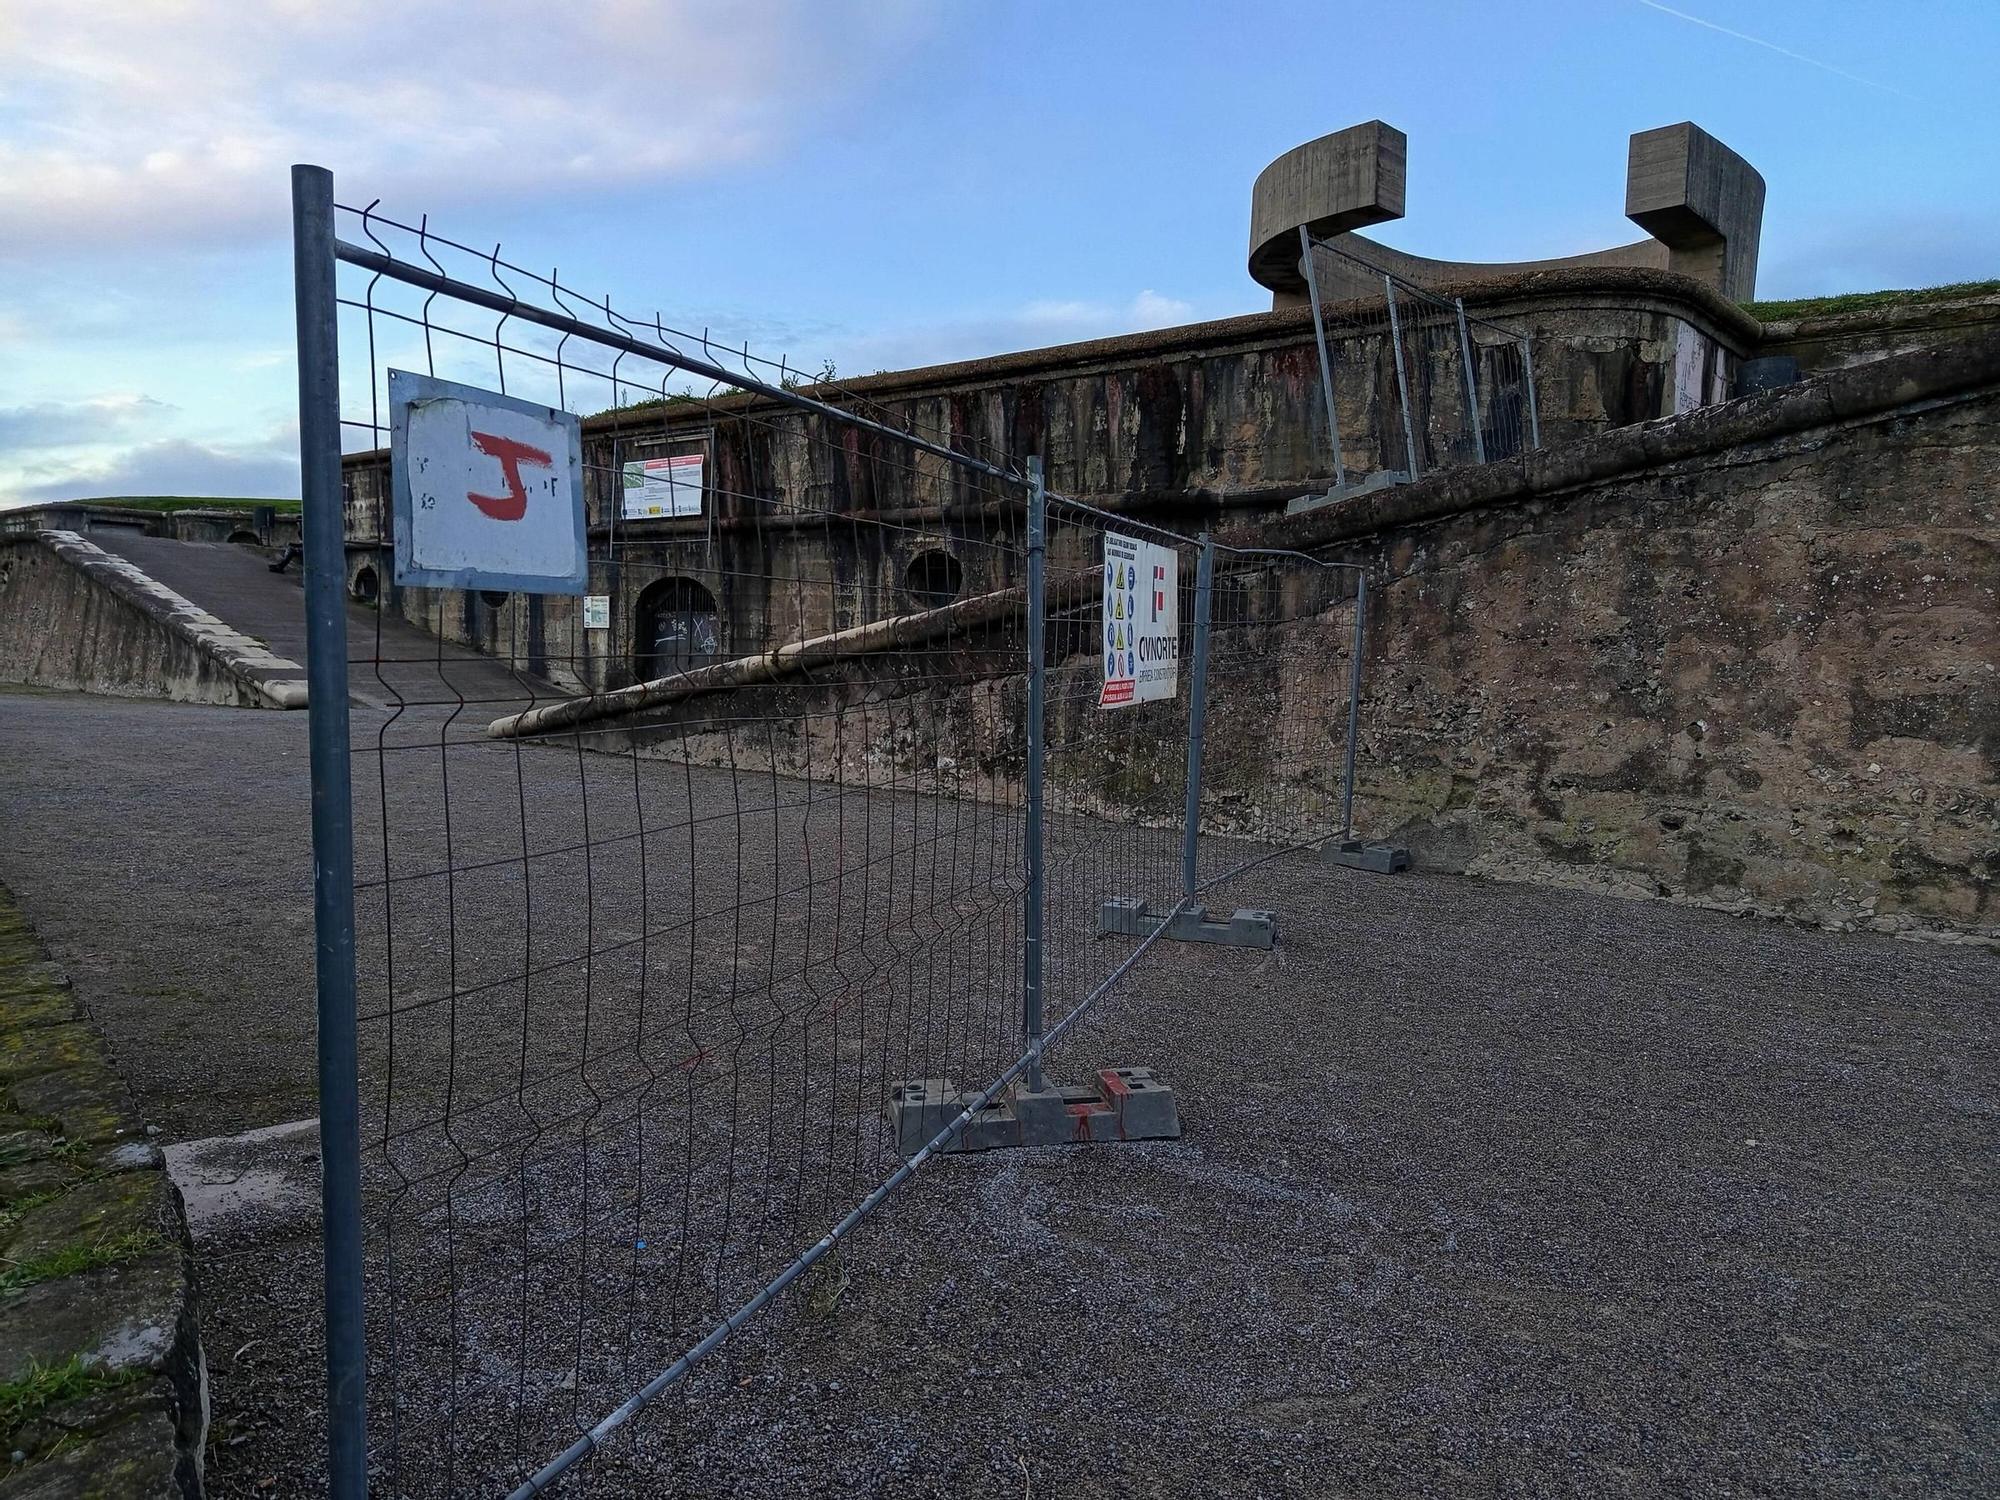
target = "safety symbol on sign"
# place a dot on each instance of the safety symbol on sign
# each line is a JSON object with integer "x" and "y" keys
{"x": 1141, "y": 629}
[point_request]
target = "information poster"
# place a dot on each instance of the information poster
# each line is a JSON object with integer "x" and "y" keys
{"x": 656, "y": 487}
{"x": 1142, "y": 626}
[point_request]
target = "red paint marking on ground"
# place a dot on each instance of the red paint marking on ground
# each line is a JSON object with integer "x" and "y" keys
{"x": 512, "y": 454}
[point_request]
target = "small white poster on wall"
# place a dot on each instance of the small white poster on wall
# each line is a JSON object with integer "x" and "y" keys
{"x": 1142, "y": 622}
{"x": 657, "y": 487}
{"x": 596, "y": 611}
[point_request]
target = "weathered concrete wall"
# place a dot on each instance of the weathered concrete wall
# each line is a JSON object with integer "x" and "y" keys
{"x": 100, "y": 1336}
{"x": 1747, "y": 658}
{"x": 1834, "y": 341}
{"x": 73, "y": 616}
{"x": 1192, "y": 427}
{"x": 259, "y": 525}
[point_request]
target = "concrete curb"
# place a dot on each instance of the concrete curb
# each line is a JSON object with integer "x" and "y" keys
{"x": 273, "y": 681}
{"x": 100, "y": 1335}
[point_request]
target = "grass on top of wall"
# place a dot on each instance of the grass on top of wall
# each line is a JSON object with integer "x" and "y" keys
{"x": 1808, "y": 307}
{"x": 179, "y": 502}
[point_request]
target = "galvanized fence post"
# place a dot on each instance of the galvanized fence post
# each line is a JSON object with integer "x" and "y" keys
{"x": 1031, "y": 956}
{"x": 1204, "y": 589}
{"x": 1528, "y": 379}
{"x": 1325, "y": 364}
{"x": 1353, "y": 705}
{"x": 1402, "y": 379}
{"x": 1471, "y": 384}
{"x": 332, "y": 827}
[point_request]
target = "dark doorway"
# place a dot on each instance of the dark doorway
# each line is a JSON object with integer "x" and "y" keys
{"x": 677, "y": 629}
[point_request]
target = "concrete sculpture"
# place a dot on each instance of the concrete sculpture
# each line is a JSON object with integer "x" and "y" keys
{"x": 1701, "y": 203}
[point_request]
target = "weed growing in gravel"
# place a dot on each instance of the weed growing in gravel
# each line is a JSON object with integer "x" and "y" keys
{"x": 829, "y": 1286}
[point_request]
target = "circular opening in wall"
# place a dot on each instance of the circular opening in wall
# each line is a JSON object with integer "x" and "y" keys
{"x": 494, "y": 598}
{"x": 366, "y": 587}
{"x": 933, "y": 579}
{"x": 246, "y": 538}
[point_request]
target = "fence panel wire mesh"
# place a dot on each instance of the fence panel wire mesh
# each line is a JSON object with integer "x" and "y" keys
{"x": 632, "y": 993}
{"x": 1281, "y": 706}
{"x": 1115, "y": 779}
{"x": 650, "y": 918}
{"x": 1418, "y": 383}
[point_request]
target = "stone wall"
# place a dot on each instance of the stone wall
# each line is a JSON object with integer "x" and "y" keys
{"x": 103, "y": 1387}
{"x": 1196, "y": 426}
{"x": 1834, "y": 341}
{"x": 1747, "y": 658}
{"x": 74, "y": 616}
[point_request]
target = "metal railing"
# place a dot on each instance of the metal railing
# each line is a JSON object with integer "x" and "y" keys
{"x": 1410, "y": 382}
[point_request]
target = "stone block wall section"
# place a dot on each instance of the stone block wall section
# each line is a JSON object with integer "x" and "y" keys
{"x": 1747, "y": 658}
{"x": 74, "y": 616}
{"x": 103, "y": 1387}
{"x": 1833, "y": 341}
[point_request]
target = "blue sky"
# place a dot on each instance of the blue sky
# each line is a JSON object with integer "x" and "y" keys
{"x": 883, "y": 184}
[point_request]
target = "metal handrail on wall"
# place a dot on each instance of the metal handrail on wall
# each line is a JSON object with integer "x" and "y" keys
{"x": 1425, "y": 385}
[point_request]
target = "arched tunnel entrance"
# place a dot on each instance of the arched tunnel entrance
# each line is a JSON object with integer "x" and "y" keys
{"x": 676, "y": 629}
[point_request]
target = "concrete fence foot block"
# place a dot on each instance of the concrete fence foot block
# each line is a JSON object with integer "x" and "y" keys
{"x": 1381, "y": 859}
{"x": 1125, "y": 1104}
{"x": 1245, "y": 927}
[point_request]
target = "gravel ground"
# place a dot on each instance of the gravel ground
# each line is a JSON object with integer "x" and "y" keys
{"x": 1484, "y": 1188}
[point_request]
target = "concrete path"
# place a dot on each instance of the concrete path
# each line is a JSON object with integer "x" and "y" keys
{"x": 1485, "y": 1188}
{"x": 391, "y": 659}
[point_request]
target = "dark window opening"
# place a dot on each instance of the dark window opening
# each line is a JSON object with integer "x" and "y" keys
{"x": 367, "y": 587}
{"x": 677, "y": 629}
{"x": 933, "y": 579}
{"x": 494, "y": 598}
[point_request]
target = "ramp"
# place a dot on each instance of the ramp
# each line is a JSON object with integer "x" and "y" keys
{"x": 121, "y": 612}
{"x": 73, "y": 615}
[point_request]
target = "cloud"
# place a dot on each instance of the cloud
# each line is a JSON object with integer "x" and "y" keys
{"x": 173, "y": 466}
{"x": 64, "y": 424}
{"x": 1758, "y": 41}
{"x": 142, "y": 121}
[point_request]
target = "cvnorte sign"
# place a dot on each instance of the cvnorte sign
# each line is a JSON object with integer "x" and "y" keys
{"x": 488, "y": 489}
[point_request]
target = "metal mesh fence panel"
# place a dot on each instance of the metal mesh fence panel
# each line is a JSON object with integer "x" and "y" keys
{"x": 822, "y": 790}
{"x": 1281, "y": 708}
{"x": 660, "y": 893}
{"x": 1412, "y": 382}
{"x": 650, "y": 917}
{"x": 1116, "y": 777}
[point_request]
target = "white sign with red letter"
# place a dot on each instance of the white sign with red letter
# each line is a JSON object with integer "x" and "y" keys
{"x": 1141, "y": 645}
{"x": 488, "y": 489}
